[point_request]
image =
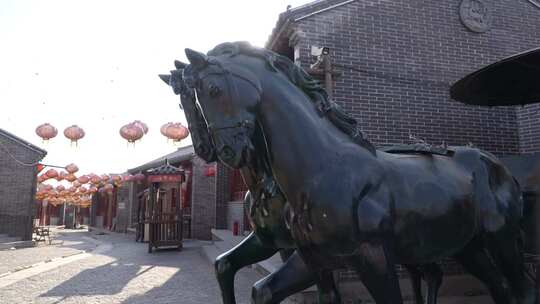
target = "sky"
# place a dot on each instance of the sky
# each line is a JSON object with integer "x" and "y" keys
{"x": 95, "y": 64}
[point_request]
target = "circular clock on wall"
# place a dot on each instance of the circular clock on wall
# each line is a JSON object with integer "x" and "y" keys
{"x": 475, "y": 15}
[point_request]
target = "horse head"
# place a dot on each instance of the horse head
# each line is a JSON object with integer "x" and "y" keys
{"x": 228, "y": 95}
{"x": 202, "y": 142}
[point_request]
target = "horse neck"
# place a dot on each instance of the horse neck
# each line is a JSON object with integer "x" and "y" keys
{"x": 297, "y": 137}
{"x": 258, "y": 169}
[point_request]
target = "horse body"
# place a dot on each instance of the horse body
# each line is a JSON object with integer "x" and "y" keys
{"x": 350, "y": 205}
{"x": 353, "y": 195}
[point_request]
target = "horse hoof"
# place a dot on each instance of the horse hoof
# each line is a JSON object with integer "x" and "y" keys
{"x": 260, "y": 294}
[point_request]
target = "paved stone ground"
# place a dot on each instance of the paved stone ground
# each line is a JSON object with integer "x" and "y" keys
{"x": 64, "y": 243}
{"x": 128, "y": 274}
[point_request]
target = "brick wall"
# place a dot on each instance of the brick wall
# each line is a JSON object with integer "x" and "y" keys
{"x": 235, "y": 213}
{"x": 529, "y": 128}
{"x": 222, "y": 195}
{"x": 405, "y": 55}
{"x": 203, "y": 201}
{"x": 17, "y": 187}
{"x": 122, "y": 208}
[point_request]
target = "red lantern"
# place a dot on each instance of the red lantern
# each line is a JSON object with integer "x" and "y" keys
{"x": 70, "y": 177}
{"x": 176, "y": 131}
{"x": 76, "y": 184}
{"x": 51, "y": 173}
{"x": 46, "y": 131}
{"x": 42, "y": 178}
{"x": 74, "y": 133}
{"x": 39, "y": 168}
{"x": 95, "y": 180}
{"x": 61, "y": 176}
{"x": 163, "y": 129}
{"x": 72, "y": 168}
{"x": 131, "y": 132}
{"x": 141, "y": 125}
{"x": 83, "y": 189}
{"x": 83, "y": 179}
{"x": 60, "y": 188}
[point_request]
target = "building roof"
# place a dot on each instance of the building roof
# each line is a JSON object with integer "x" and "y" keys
{"x": 282, "y": 29}
{"x": 182, "y": 154}
{"x": 23, "y": 143}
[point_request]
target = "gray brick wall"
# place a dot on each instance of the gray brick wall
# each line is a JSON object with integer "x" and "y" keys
{"x": 203, "y": 201}
{"x": 123, "y": 207}
{"x": 222, "y": 195}
{"x": 529, "y": 128}
{"x": 405, "y": 55}
{"x": 235, "y": 213}
{"x": 17, "y": 187}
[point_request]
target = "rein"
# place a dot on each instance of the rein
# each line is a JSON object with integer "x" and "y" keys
{"x": 233, "y": 90}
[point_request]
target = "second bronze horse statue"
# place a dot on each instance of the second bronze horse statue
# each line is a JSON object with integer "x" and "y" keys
{"x": 266, "y": 212}
{"x": 350, "y": 205}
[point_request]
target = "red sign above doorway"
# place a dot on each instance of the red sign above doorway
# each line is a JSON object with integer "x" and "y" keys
{"x": 165, "y": 178}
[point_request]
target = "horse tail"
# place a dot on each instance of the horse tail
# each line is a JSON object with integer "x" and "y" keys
{"x": 527, "y": 204}
{"x": 505, "y": 187}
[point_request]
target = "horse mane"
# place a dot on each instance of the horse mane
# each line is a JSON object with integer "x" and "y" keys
{"x": 310, "y": 86}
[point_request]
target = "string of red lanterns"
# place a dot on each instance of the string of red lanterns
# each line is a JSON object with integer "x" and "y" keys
{"x": 131, "y": 132}
{"x": 82, "y": 188}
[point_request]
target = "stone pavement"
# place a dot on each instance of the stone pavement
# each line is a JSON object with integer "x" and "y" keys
{"x": 65, "y": 243}
{"x": 112, "y": 268}
{"x": 125, "y": 273}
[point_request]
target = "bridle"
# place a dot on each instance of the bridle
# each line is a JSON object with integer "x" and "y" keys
{"x": 244, "y": 125}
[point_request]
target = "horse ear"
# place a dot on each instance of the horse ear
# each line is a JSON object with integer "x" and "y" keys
{"x": 165, "y": 78}
{"x": 196, "y": 59}
{"x": 179, "y": 65}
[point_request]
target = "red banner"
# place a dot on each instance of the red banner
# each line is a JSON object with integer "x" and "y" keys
{"x": 165, "y": 178}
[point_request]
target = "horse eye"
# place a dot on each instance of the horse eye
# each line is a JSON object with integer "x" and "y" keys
{"x": 214, "y": 90}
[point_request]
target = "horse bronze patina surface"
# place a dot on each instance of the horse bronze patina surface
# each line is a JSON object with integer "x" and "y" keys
{"x": 270, "y": 234}
{"x": 350, "y": 205}
{"x": 267, "y": 206}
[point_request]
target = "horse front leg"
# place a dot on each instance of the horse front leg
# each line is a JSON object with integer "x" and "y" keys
{"x": 292, "y": 277}
{"x": 251, "y": 250}
{"x": 375, "y": 265}
{"x": 433, "y": 276}
{"x": 416, "y": 282}
{"x": 328, "y": 290}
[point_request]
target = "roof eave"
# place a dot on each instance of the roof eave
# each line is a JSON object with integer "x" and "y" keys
{"x": 42, "y": 153}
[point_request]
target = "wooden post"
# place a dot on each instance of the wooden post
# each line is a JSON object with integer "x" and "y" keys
{"x": 151, "y": 203}
{"x": 328, "y": 82}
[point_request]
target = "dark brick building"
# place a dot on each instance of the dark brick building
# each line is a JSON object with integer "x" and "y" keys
{"x": 18, "y": 170}
{"x": 395, "y": 62}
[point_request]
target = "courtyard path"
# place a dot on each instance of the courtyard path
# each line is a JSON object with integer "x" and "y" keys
{"x": 90, "y": 268}
{"x": 123, "y": 272}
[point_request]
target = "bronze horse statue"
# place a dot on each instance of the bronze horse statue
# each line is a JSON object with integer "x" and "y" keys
{"x": 350, "y": 205}
{"x": 270, "y": 231}
{"x": 266, "y": 203}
